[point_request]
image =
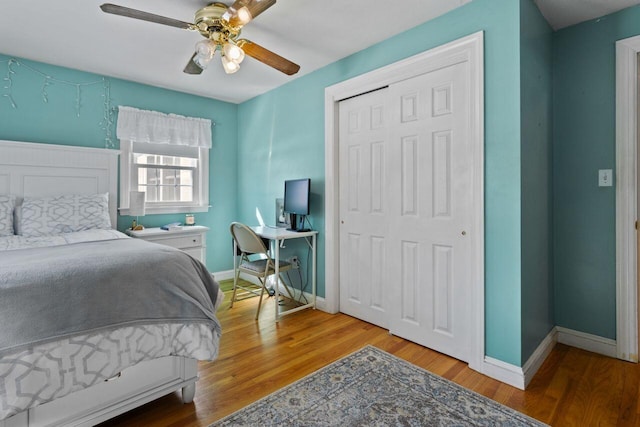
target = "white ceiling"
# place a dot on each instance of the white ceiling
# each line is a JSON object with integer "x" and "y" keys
{"x": 77, "y": 34}
{"x": 563, "y": 13}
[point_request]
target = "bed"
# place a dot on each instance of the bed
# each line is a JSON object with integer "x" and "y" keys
{"x": 92, "y": 322}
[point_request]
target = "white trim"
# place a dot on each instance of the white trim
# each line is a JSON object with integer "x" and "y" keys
{"x": 223, "y": 275}
{"x": 505, "y": 372}
{"x": 467, "y": 49}
{"x": 626, "y": 195}
{"x": 589, "y": 342}
{"x": 538, "y": 357}
{"x": 516, "y": 376}
{"x": 200, "y": 188}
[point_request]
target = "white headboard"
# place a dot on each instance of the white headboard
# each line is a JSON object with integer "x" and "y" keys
{"x": 31, "y": 169}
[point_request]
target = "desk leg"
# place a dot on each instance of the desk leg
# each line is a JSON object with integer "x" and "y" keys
{"x": 277, "y": 276}
{"x": 313, "y": 270}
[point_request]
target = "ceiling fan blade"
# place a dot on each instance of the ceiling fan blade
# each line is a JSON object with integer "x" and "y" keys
{"x": 267, "y": 57}
{"x": 191, "y": 67}
{"x": 145, "y": 16}
{"x": 237, "y": 18}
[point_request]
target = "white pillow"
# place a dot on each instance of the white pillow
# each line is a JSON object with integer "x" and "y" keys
{"x": 47, "y": 216}
{"x": 7, "y": 204}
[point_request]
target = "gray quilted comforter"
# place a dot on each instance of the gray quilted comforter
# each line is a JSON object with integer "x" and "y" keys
{"x": 56, "y": 292}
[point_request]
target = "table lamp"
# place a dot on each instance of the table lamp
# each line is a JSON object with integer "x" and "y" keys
{"x": 136, "y": 207}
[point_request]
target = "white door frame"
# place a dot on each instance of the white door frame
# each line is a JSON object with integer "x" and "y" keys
{"x": 467, "y": 49}
{"x": 626, "y": 198}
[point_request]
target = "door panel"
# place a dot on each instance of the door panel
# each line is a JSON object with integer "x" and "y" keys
{"x": 363, "y": 193}
{"x": 430, "y": 210}
{"x": 405, "y": 207}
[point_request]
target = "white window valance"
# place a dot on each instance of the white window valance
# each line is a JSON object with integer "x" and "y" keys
{"x": 159, "y": 128}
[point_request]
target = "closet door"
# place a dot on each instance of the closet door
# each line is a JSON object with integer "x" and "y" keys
{"x": 405, "y": 208}
{"x": 430, "y": 180}
{"x": 364, "y": 280}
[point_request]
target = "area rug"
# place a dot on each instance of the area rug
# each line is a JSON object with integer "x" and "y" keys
{"x": 373, "y": 388}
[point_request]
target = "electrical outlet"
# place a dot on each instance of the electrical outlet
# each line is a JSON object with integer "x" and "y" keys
{"x": 294, "y": 261}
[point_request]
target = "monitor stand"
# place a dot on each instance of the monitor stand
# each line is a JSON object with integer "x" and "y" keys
{"x": 293, "y": 218}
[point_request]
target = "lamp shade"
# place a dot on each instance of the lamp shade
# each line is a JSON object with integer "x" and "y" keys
{"x": 136, "y": 203}
{"x": 205, "y": 50}
{"x": 229, "y": 66}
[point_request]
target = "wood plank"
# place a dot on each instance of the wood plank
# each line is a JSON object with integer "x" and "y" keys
{"x": 572, "y": 388}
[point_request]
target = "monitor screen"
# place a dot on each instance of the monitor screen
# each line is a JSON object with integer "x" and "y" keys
{"x": 296, "y": 196}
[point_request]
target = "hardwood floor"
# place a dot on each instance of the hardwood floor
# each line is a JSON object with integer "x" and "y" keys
{"x": 572, "y": 388}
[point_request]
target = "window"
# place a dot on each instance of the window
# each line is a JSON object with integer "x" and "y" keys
{"x": 165, "y": 179}
{"x": 175, "y": 177}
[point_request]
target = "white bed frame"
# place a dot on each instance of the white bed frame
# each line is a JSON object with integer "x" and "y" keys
{"x": 31, "y": 169}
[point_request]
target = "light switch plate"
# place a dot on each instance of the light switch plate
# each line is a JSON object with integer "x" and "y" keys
{"x": 605, "y": 178}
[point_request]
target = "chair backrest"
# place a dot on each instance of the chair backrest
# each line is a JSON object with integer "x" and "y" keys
{"x": 247, "y": 240}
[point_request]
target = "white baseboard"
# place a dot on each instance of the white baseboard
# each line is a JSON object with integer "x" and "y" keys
{"x": 538, "y": 357}
{"x": 223, "y": 275}
{"x": 593, "y": 343}
{"x": 321, "y": 304}
{"x": 521, "y": 377}
{"x": 517, "y": 376}
{"x": 504, "y": 372}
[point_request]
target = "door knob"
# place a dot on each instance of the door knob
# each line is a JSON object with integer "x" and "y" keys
{"x": 464, "y": 233}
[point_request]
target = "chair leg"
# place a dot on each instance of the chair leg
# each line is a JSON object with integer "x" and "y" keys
{"x": 235, "y": 287}
{"x": 261, "y": 294}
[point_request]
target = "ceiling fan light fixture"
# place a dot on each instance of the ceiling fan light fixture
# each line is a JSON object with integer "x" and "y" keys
{"x": 233, "y": 52}
{"x": 205, "y": 51}
{"x": 237, "y": 17}
{"x": 244, "y": 16}
{"x": 220, "y": 25}
{"x": 229, "y": 65}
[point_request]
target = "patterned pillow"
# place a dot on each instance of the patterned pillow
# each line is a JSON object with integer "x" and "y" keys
{"x": 47, "y": 216}
{"x": 7, "y": 203}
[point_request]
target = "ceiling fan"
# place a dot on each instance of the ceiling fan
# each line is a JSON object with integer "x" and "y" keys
{"x": 220, "y": 25}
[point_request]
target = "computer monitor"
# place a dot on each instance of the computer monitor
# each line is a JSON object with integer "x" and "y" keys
{"x": 296, "y": 200}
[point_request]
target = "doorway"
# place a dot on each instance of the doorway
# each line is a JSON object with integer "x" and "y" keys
{"x": 626, "y": 183}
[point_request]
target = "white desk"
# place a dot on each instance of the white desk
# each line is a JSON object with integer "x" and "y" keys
{"x": 276, "y": 235}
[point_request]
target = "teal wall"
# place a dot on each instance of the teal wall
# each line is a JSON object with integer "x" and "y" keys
{"x": 56, "y": 122}
{"x": 584, "y": 141}
{"x": 281, "y": 135}
{"x": 536, "y": 182}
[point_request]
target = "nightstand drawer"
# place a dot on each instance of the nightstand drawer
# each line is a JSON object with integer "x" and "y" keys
{"x": 181, "y": 242}
{"x": 192, "y": 239}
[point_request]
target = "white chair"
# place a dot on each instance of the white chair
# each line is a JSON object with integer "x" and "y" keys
{"x": 262, "y": 266}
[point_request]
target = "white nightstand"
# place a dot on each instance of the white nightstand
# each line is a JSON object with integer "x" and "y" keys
{"x": 191, "y": 239}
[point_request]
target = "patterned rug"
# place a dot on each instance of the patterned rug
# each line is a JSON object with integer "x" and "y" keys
{"x": 373, "y": 388}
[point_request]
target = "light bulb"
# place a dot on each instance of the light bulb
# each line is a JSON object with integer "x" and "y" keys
{"x": 233, "y": 52}
{"x": 229, "y": 66}
{"x": 244, "y": 15}
{"x": 205, "y": 50}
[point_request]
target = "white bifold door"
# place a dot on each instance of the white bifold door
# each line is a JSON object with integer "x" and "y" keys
{"x": 405, "y": 209}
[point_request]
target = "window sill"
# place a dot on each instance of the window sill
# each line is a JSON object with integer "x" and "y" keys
{"x": 168, "y": 210}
